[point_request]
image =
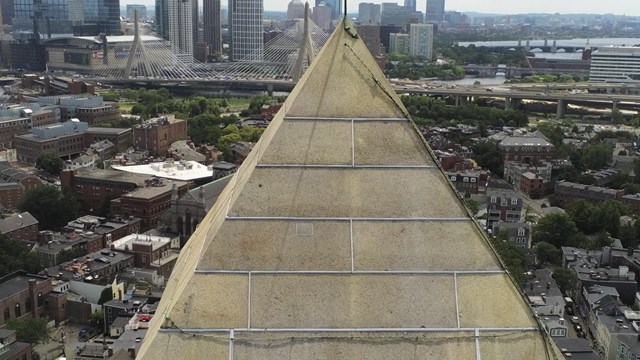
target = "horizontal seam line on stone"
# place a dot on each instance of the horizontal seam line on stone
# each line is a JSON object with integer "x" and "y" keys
{"x": 330, "y": 218}
{"x": 294, "y": 118}
{"x": 349, "y": 272}
{"x": 317, "y": 166}
{"x": 346, "y": 330}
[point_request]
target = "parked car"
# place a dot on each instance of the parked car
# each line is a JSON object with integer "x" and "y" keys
{"x": 581, "y": 334}
{"x": 577, "y": 327}
{"x": 575, "y": 320}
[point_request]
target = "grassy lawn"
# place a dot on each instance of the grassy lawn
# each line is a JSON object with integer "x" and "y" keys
{"x": 237, "y": 102}
{"x": 125, "y": 107}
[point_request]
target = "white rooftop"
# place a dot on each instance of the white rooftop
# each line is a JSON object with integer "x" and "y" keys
{"x": 182, "y": 170}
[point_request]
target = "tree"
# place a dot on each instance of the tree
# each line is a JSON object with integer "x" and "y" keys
{"x": 50, "y": 162}
{"x": 556, "y": 229}
{"x": 547, "y": 253}
{"x": 616, "y": 116}
{"x": 105, "y": 295}
{"x": 51, "y": 207}
{"x": 487, "y": 155}
{"x": 30, "y": 330}
{"x": 628, "y": 235}
{"x": 67, "y": 255}
{"x": 511, "y": 255}
{"x": 597, "y": 156}
{"x": 15, "y": 256}
{"x": 567, "y": 280}
{"x": 472, "y": 205}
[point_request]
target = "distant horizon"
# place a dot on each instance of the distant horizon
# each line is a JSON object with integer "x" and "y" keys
{"x": 497, "y": 7}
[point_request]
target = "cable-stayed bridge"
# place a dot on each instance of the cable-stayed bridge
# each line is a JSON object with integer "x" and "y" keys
{"x": 280, "y": 62}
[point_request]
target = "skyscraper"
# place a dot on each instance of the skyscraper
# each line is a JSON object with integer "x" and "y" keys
{"x": 245, "y": 26}
{"x": 6, "y": 7}
{"x": 212, "y": 25}
{"x": 410, "y": 5}
{"x": 162, "y": 18}
{"x": 335, "y": 5}
{"x": 181, "y": 26}
{"x": 369, "y": 13}
{"x": 295, "y": 10}
{"x": 435, "y": 10}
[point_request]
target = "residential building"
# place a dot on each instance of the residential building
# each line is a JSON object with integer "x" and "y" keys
{"x": 11, "y": 349}
{"x": 50, "y": 246}
{"x": 121, "y": 138}
{"x": 23, "y": 227}
{"x": 503, "y": 205}
{"x": 421, "y": 40}
{"x": 157, "y": 135}
{"x": 468, "y": 182}
{"x": 116, "y": 308}
{"x": 518, "y": 233}
{"x": 181, "y": 28}
{"x": 25, "y": 295}
{"x": 555, "y": 326}
{"x": 369, "y": 13}
{"x": 526, "y": 149}
{"x": 435, "y": 10}
{"x": 110, "y": 229}
{"x": 565, "y": 192}
{"x": 162, "y": 18}
{"x": 141, "y": 9}
{"x": 66, "y": 139}
{"x": 148, "y": 203}
{"x": 576, "y": 348}
{"x": 245, "y": 27}
{"x": 292, "y": 210}
{"x": 532, "y": 185}
{"x": 97, "y": 268}
{"x": 513, "y": 171}
{"x": 399, "y": 43}
{"x": 615, "y": 64}
{"x": 149, "y": 252}
{"x": 14, "y": 183}
{"x": 212, "y": 23}
{"x": 544, "y": 296}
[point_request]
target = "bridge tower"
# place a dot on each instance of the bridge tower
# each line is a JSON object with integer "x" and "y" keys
{"x": 135, "y": 47}
{"x": 306, "y": 47}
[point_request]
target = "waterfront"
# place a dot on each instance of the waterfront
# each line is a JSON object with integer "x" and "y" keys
{"x": 598, "y": 42}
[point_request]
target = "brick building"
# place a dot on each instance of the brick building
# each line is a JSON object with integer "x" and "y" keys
{"x": 24, "y": 295}
{"x": 96, "y": 188}
{"x": 19, "y": 120}
{"x": 157, "y": 135}
{"x": 503, "y": 205}
{"x": 526, "y": 149}
{"x": 566, "y": 192}
{"x": 23, "y": 227}
{"x": 110, "y": 229}
{"x": 14, "y": 183}
{"x": 121, "y": 138}
{"x": 89, "y": 109}
{"x": 532, "y": 185}
{"x": 66, "y": 139}
{"x": 469, "y": 181}
{"x": 148, "y": 203}
{"x": 149, "y": 252}
{"x": 50, "y": 245}
{"x": 11, "y": 348}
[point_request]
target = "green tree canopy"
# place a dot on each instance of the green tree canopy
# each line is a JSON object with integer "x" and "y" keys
{"x": 30, "y": 330}
{"x": 512, "y": 256}
{"x": 597, "y": 156}
{"x": 50, "y": 162}
{"x": 567, "y": 280}
{"x": 15, "y": 256}
{"x": 556, "y": 229}
{"x": 51, "y": 207}
{"x": 547, "y": 253}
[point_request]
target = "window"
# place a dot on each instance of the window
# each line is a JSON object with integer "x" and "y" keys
{"x": 494, "y": 199}
{"x": 465, "y": 179}
{"x": 39, "y": 299}
{"x": 473, "y": 180}
{"x": 7, "y": 314}
{"x": 453, "y": 178}
{"x": 521, "y": 232}
{"x": 503, "y": 202}
{"x": 514, "y": 201}
{"x": 18, "y": 311}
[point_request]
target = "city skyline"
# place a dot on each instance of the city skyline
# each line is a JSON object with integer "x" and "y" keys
{"x": 618, "y": 7}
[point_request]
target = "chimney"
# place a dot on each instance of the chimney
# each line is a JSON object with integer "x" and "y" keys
{"x": 561, "y": 321}
{"x": 132, "y": 353}
{"x": 110, "y": 351}
{"x": 548, "y": 285}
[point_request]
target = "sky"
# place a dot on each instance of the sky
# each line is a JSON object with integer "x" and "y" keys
{"x": 620, "y": 7}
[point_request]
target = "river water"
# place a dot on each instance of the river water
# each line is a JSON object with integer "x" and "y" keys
{"x": 600, "y": 42}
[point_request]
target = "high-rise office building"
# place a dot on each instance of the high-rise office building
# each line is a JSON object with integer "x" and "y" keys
{"x": 322, "y": 16}
{"x": 394, "y": 14}
{"x": 369, "y": 13}
{"x": 142, "y": 11}
{"x": 399, "y": 43}
{"x": 410, "y": 5}
{"x": 162, "y": 18}
{"x": 245, "y": 26}
{"x": 295, "y": 10}
{"x": 421, "y": 40}
{"x": 435, "y": 10}
{"x": 195, "y": 20}
{"x": 181, "y": 26}
{"x": 211, "y": 21}
{"x": 6, "y": 7}
{"x": 46, "y": 17}
{"x": 335, "y": 5}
